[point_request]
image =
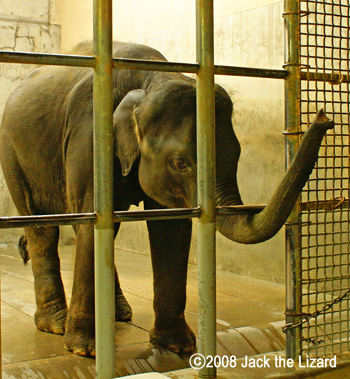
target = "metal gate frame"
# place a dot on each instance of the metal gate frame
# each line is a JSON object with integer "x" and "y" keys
{"x": 104, "y": 218}
{"x": 320, "y": 69}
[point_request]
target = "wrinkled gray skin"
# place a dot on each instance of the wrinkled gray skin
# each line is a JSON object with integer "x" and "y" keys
{"x": 46, "y": 155}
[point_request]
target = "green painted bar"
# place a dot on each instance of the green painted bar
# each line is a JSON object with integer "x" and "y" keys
{"x": 206, "y": 184}
{"x": 103, "y": 191}
{"x": 292, "y": 120}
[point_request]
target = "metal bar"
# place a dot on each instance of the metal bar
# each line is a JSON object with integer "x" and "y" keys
{"x": 251, "y": 72}
{"x": 239, "y": 209}
{"x": 127, "y": 216}
{"x": 47, "y": 59}
{"x": 334, "y": 78}
{"x": 292, "y": 121}
{"x": 206, "y": 184}
{"x": 142, "y": 64}
{"x": 136, "y": 64}
{"x": 157, "y": 214}
{"x": 59, "y": 219}
{"x": 103, "y": 191}
{"x": 326, "y": 205}
{"x": 91, "y": 218}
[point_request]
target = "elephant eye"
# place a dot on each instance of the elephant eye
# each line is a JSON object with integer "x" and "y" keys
{"x": 179, "y": 164}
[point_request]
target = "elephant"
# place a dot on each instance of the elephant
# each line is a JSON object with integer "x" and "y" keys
{"x": 46, "y": 152}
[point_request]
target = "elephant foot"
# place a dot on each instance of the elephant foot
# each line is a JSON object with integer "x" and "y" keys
{"x": 178, "y": 340}
{"x": 80, "y": 338}
{"x": 52, "y": 318}
{"x": 123, "y": 311}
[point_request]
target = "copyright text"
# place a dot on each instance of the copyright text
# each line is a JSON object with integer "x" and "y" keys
{"x": 198, "y": 361}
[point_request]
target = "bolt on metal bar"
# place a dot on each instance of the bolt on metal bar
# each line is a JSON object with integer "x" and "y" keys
{"x": 292, "y": 121}
{"x": 103, "y": 191}
{"x": 206, "y": 184}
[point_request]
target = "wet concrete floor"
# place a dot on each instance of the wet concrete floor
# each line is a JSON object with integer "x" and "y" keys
{"x": 249, "y": 320}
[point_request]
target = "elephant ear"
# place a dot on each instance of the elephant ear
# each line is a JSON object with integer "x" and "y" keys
{"x": 126, "y": 132}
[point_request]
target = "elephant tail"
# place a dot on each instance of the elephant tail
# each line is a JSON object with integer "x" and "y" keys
{"x": 23, "y": 250}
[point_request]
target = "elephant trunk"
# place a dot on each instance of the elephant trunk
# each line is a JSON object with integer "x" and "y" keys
{"x": 254, "y": 228}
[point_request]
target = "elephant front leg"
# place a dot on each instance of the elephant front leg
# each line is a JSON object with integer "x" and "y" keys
{"x": 170, "y": 244}
{"x": 51, "y": 312}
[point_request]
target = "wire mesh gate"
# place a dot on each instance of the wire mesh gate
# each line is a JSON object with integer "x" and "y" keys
{"x": 320, "y": 282}
{"x": 325, "y": 276}
{"x": 333, "y": 231}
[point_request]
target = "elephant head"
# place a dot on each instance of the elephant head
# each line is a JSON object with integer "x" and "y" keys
{"x": 159, "y": 130}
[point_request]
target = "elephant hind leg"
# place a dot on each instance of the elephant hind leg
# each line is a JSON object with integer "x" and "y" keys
{"x": 123, "y": 311}
{"x": 40, "y": 244}
{"x": 49, "y": 292}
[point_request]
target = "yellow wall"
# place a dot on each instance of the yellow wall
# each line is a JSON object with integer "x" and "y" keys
{"x": 138, "y": 18}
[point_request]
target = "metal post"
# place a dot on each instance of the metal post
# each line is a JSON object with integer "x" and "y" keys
{"x": 103, "y": 190}
{"x": 206, "y": 183}
{"x": 292, "y": 120}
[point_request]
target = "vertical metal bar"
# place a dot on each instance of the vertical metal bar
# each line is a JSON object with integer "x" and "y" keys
{"x": 0, "y": 334}
{"x": 206, "y": 183}
{"x": 292, "y": 121}
{"x": 103, "y": 191}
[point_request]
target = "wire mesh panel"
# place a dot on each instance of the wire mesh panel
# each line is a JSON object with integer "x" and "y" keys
{"x": 325, "y": 276}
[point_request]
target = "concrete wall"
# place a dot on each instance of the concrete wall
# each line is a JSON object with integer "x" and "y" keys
{"x": 28, "y": 26}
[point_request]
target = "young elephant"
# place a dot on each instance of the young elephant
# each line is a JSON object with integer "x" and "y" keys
{"x": 46, "y": 152}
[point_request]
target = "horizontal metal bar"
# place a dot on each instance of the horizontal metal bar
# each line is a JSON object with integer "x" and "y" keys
{"x": 333, "y": 78}
{"x": 239, "y": 209}
{"x": 47, "y": 59}
{"x": 121, "y": 216}
{"x": 251, "y": 72}
{"x": 135, "y": 64}
{"x": 46, "y": 220}
{"x": 325, "y": 205}
{"x": 142, "y": 64}
{"x": 92, "y": 218}
{"x": 157, "y": 214}
{"x": 324, "y": 280}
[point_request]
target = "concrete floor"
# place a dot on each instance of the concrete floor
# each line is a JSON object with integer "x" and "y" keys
{"x": 249, "y": 319}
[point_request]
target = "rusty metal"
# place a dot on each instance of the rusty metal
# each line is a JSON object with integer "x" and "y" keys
{"x": 306, "y": 317}
{"x": 292, "y": 121}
